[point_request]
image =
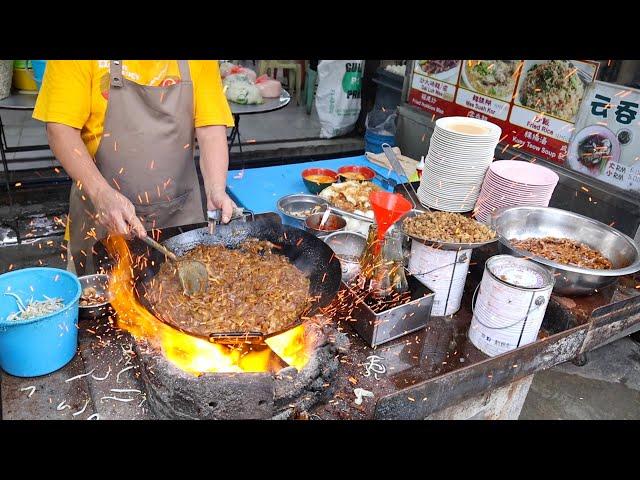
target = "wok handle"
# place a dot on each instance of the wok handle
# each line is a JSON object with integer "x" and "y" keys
{"x": 152, "y": 243}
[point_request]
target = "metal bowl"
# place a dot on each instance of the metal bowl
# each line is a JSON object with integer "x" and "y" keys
{"x": 348, "y": 247}
{"x": 334, "y": 223}
{"x": 537, "y": 222}
{"x": 300, "y": 204}
{"x": 101, "y": 283}
{"x": 441, "y": 245}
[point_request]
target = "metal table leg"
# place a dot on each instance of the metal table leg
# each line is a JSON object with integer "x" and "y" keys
{"x": 5, "y": 165}
{"x": 235, "y": 133}
{"x": 237, "y": 121}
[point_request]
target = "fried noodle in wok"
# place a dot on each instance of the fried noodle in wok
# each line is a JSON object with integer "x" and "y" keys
{"x": 250, "y": 289}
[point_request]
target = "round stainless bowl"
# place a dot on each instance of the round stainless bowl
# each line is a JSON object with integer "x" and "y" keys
{"x": 520, "y": 223}
{"x": 294, "y": 208}
{"x": 101, "y": 283}
{"x": 348, "y": 247}
{"x": 334, "y": 223}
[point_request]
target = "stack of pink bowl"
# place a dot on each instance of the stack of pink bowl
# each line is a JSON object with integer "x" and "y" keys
{"x": 510, "y": 183}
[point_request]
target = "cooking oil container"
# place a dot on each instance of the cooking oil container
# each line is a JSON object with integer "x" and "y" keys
{"x": 511, "y": 302}
{"x": 444, "y": 272}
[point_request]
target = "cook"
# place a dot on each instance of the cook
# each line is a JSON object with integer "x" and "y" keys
{"x": 133, "y": 163}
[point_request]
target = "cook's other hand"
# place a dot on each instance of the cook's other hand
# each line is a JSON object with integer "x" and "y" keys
{"x": 217, "y": 198}
{"x": 116, "y": 213}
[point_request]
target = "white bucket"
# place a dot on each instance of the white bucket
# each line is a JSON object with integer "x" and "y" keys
{"x": 512, "y": 300}
{"x": 444, "y": 272}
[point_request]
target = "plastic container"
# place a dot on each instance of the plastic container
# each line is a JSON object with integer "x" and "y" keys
{"x": 42, "y": 345}
{"x": 373, "y": 142}
{"x": 38, "y": 67}
{"x": 381, "y": 128}
{"x": 23, "y": 80}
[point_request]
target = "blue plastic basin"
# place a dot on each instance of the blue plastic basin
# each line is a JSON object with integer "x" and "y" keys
{"x": 42, "y": 345}
{"x": 373, "y": 141}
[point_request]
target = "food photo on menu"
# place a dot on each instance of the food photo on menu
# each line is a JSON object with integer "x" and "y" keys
{"x": 494, "y": 78}
{"x": 554, "y": 87}
{"x": 445, "y": 70}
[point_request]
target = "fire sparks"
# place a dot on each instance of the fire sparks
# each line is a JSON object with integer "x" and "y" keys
{"x": 192, "y": 354}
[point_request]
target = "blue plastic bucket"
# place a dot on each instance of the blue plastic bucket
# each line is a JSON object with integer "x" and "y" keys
{"x": 38, "y": 67}
{"x": 43, "y": 345}
{"x": 373, "y": 142}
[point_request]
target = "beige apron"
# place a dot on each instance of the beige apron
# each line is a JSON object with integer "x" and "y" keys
{"x": 146, "y": 153}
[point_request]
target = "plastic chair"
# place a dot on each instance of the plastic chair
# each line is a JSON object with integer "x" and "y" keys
{"x": 294, "y": 72}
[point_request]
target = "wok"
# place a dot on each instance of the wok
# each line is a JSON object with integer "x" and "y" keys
{"x": 308, "y": 253}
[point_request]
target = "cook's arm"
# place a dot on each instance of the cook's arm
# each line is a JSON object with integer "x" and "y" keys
{"x": 214, "y": 163}
{"x": 113, "y": 209}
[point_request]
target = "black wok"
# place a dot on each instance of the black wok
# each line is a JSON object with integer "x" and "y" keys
{"x": 308, "y": 253}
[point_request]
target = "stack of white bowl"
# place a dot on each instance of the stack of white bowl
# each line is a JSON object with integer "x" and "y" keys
{"x": 460, "y": 152}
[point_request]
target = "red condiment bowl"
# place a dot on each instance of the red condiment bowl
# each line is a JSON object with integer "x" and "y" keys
{"x": 366, "y": 172}
{"x": 314, "y": 186}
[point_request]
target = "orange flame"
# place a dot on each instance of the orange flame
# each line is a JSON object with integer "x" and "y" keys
{"x": 193, "y": 354}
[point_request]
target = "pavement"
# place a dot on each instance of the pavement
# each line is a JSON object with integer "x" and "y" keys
{"x": 278, "y": 135}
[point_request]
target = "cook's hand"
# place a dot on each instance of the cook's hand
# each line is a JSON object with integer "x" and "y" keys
{"x": 117, "y": 214}
{"x": 218, "y": 199}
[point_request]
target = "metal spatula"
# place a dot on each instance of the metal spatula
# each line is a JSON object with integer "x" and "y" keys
{"x": 192, "y": 273}
{"x": 395, "y": 165}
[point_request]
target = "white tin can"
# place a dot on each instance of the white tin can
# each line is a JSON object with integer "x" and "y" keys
{"x": 511, "y": 302}
{"x": 444, "y": 272}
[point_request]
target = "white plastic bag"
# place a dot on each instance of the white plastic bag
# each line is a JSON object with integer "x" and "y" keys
{"x": 338, "y": 96}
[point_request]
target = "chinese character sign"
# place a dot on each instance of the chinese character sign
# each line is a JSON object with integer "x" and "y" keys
{"x": 606, "y": 141}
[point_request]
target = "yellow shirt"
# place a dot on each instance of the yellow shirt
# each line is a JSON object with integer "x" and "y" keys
{"x": 75, "y": 92}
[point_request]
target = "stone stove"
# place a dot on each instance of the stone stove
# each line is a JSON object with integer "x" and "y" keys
{"x": 288, "y": 393}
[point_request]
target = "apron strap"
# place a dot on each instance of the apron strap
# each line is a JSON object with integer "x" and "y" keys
{"x": 185, "y": 74}
{"x": 115, "y": 73}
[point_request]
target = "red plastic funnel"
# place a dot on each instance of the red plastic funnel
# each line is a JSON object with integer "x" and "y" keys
{"x": 387, "y": 209}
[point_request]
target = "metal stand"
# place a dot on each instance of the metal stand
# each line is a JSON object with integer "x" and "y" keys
{"x": 18, "y": 102}
{"x": 235, "y": 133}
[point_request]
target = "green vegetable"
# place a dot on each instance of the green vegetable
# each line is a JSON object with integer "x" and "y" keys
{"x": 481, "y": 68}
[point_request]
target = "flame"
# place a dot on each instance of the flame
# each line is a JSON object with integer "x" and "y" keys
{"x": 192, "y": 354}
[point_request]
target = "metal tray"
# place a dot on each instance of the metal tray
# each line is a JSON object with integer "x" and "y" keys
{"x": 378, "y": 328}
{"x": 441, "y": 245}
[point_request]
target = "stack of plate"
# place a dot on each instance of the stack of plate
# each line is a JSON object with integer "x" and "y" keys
{"x": 514, "y": 183}
{"x": 460, "y": 152}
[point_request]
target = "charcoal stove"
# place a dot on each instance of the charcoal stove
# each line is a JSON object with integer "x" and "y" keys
{"x": 175, "y": 394}
{"x": 188, "y": 377}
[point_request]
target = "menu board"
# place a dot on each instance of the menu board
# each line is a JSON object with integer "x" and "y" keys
{"x": 535, "y": 102}
{"x": 433, "y": 86}
{"x": 606, "y": 143}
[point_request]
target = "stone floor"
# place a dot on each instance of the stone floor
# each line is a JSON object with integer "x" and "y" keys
{"x": 606, "y": 388}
